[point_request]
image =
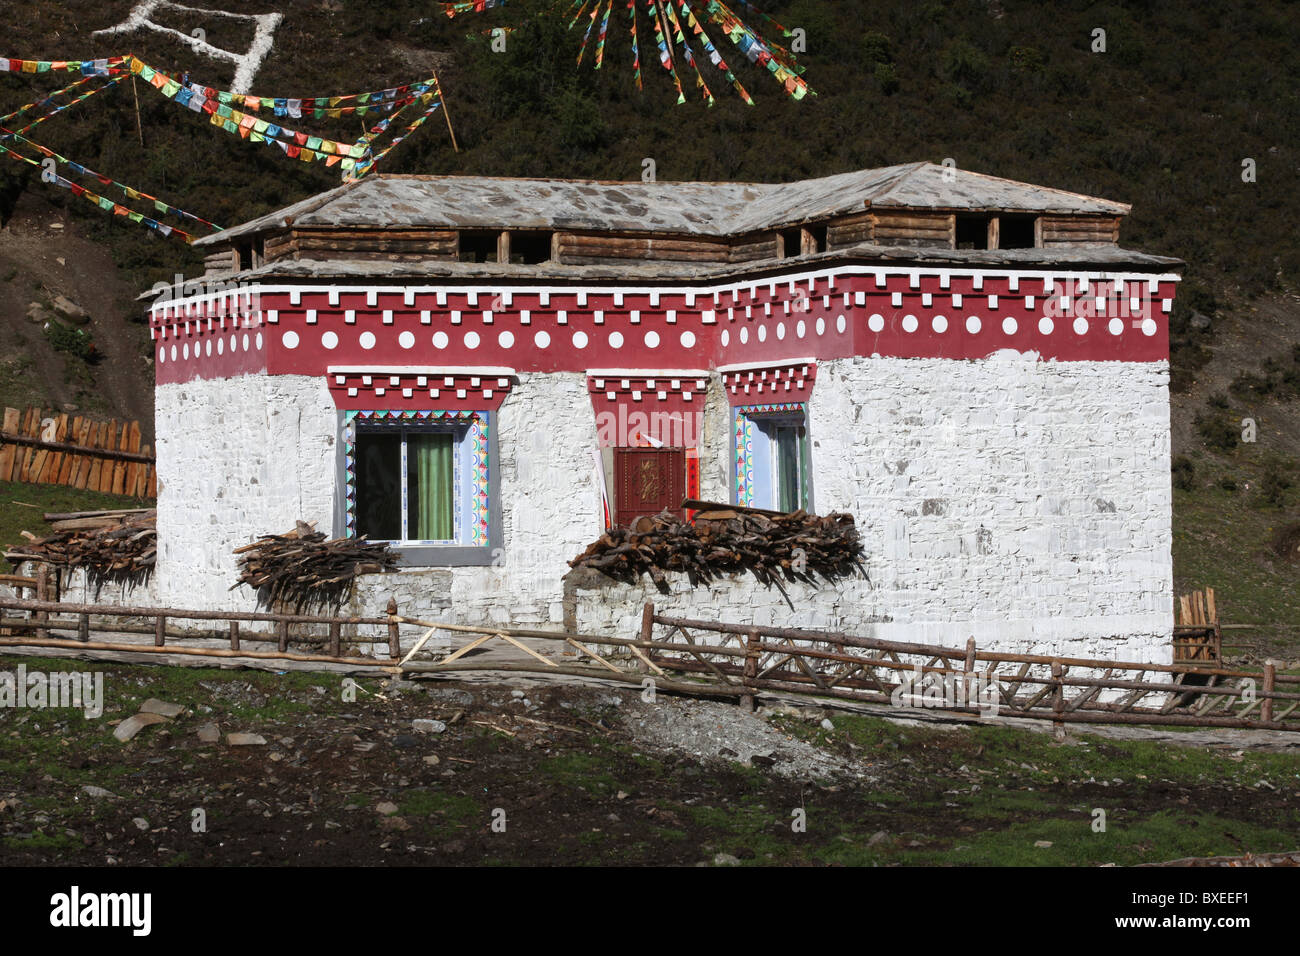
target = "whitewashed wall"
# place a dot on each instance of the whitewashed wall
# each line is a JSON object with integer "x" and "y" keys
{"x": 237, "y": 458}
{"x": 1024, "y": 503}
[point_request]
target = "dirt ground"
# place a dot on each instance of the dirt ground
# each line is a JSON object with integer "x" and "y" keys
{"x": 503, "y": 772}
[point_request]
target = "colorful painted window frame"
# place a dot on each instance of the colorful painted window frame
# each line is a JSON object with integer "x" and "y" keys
{"x": 472, "y": 512}
{"x": 751, "y": 448}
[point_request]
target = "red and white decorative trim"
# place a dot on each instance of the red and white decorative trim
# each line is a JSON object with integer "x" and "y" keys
{"x": 769, "y": 382}
{"x": 442, "y": 389}
{"x": 888, "y": 311}
{"x": 643, "y": 408}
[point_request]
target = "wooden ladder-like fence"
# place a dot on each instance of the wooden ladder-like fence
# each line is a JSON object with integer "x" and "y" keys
{"x": 705, "y": 659}
{"x": 76, "y": 452}
{"x": 1197, "y": 634}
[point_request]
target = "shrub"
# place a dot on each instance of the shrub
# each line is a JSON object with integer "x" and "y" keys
{"x": 1275, "y": 484}
{"x": 1025, "y": 59}
{"x": 887, "y": 78}
{"x": 1286, "y": 541}
{"x": 877, "y": 48}
{"x": 1219, "y": 433}
{"x": 1183, "y": 472}
{"x": 1256, "y": 386}
{"x": 74, "y": 341}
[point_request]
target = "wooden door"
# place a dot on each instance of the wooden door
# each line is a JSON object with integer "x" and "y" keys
{"x": 646, "y": 481}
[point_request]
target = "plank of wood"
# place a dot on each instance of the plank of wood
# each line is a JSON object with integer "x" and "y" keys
{"x": 132, "y": 471}
{"x": 92, "y": 479}
{"x": 32, "y": 472}
{"x": 81, "y": 469}
{"x": 69, "y": 467}
{"x": 11, "y": 422}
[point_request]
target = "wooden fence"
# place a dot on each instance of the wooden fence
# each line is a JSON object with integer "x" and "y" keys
{"x": 967, "y": 680}
{"x": 707, "y": 659}
{"x": 1197, "y": 634}
{"x": 77, "y": 452}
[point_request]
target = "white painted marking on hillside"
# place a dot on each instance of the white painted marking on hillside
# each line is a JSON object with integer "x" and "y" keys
{"x": 246, "y": 64}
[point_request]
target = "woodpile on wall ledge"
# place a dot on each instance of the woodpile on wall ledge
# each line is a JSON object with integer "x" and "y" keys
{"x": 729, "y": 539}
{"x": 303, "y": 570}
{"x": 112, "y": 547}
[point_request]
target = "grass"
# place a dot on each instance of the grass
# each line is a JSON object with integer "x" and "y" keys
{"x": 1221, "y": 541}
{"x": 456, "y": 809}
{"x": 21, "y": 507}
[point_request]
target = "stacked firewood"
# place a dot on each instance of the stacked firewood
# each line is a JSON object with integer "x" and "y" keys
{"x": 722, "y": 540}
{"x": 112, "y": 547}
{"x": 304, "y": 571}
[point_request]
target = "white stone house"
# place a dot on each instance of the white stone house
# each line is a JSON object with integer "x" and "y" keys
{"x": 488, "y": 371}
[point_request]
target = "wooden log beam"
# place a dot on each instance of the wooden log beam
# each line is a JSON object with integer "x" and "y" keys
{"x": 108, "y": 453}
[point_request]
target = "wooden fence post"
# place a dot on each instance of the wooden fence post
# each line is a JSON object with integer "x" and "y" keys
{"x": 42, "y": 594}
{"x": 83, "y": 628}
{"x": 1058, "y": 701}
{"x": 336, "y": 639}
{"x": 751, "y": 670}
{"x": 159, "y": 630}
{"x": 647, "y": 632}
{"x": 394, "y": 637}
{"x": 1266, "y": 708}
{"x": 234, "y": 635}
{"x": 282, "y": 644}
{"x": 970, "y": 666}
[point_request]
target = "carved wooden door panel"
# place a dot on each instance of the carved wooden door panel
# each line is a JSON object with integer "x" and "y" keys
{"x": 646, "y": 481}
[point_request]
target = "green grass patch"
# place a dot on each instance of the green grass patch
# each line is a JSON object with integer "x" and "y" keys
{"x": 1127, "y": 840}
{"x": 1222, "y": 541}
{"x": 585, "y": 771}
{"x": 454, "y": 808}
{"x": 21, "y": 507}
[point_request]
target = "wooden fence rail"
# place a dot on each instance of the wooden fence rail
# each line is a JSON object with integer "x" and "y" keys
{"x": 75, "y": 451}
{"x": 712, "y": 659}
{"x": 968, "y": 680}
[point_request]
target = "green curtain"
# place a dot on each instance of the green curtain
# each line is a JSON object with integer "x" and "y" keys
{"x": 430, "y": 487}
{"x": 789, "y": 468}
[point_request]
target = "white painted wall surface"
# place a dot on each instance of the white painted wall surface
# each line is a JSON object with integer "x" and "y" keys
{"x": 237, "y": 458}
{"x": 1024, "y": 503}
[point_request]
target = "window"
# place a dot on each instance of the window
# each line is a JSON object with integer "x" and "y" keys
{"x": 530, "y": 248}
{"x": 787, "y": 464}
{"x": 972, "y": 232}
{"x": 816, "y": 239}
{"x": 803, "y": 241}
{"x": 421, "y": 481}
{"x": 406, "y": 482}
{"x": 478, "y": 246}
{"x": 249, "y": 255}
{"x": 791, "y": 243}
{"x": 772, "y": 461}
{"x": 1016, "y": 232}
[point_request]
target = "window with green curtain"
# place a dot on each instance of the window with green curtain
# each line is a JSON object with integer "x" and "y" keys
{"x": 789, "y": 467}
{"x": 430, "y": 480}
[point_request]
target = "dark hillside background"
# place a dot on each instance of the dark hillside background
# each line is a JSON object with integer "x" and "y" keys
{"x": 1163, "y": 119}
